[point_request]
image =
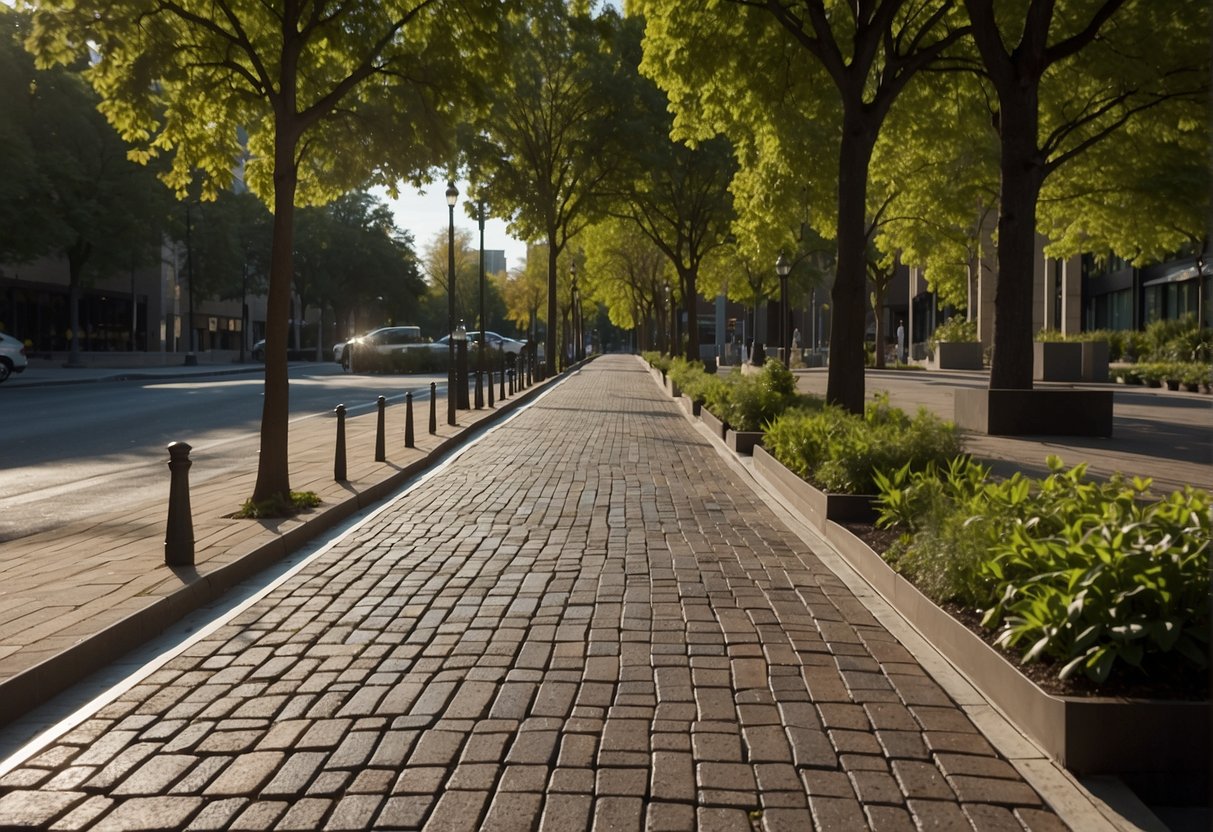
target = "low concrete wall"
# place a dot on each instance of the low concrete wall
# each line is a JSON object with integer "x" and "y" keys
{"x": 957, "y": 355}
{"x": 1034, "y": 412}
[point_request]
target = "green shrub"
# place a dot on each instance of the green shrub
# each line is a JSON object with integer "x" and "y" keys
{"x": 841, "y": 452}
{"x": 755, "y": 399}
{"x": 1094, "y": 576}
{"x": 688, "y": 375}
{"x": 952, "y": 330}
{"x": 656, "y": 360}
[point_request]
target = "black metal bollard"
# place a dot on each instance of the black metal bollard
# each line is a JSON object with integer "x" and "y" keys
{"x": 380, "y": 437}
{"x": 433, "y": 407}
{"x": 408, "y": 421}
{"x": 179, "y": 533}
{"x": 502, "y": 375}
{"x": 479, "y": 388}
{"x": 511, "y": 372}
{"x": 490, "y": 387}
{"x": 339, "y": 456}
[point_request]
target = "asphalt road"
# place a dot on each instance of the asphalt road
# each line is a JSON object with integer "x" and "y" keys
{"x": 72, "y": 451}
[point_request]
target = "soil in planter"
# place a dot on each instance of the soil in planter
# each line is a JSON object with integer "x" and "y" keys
{"x": 1188, "y": 683}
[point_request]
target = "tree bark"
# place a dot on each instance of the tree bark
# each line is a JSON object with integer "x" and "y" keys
{"x": 1022, "y": 173}
{"x": 690, "y": 299}
{"x": 273, "y": 466}
{"x": 550, "y": 345}
{"x": 845, "y": 383}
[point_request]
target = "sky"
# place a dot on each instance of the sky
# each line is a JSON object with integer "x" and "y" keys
{"x": 424, "y": 213}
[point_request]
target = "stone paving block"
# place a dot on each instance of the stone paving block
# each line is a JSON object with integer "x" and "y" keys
{"x": 261, "y": 814}
{"x": 305, "y": 814}
{"x": 246, "y": 774}
{"x": 716, "y": 819}
{"x": 146, "y": 813}
{"x": 566, "y": 812}
{"x": 35, "y": 808}
{"x": 457, "y": 812}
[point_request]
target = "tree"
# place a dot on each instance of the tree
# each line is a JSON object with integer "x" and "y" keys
{"x": 1067, "y": 76}
{"x": 328, "y": 95}
{"x": 676, "y": 193}
{"x": 68, "y": 187}
{"x": 628, "y": 274}
{"x": 523, "y": 291}
{"x": 549, "y": 136}
{"x": 350, "y": 253}
{"x": 765, "y": 72}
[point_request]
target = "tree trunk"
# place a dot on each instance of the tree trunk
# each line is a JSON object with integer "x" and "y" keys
{"x": 878, "y": 310}
{"x": 550, "y": 345}
{"x": 1022, "y": 173}
{"x": 845, "y": 386}
{"x": 77, "y": 255}
{"x": 690, "y": 300}
{"x": 273, "y": 471}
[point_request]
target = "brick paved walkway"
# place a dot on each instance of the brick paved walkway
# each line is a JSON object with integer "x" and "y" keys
{"x": 588, "y": 621}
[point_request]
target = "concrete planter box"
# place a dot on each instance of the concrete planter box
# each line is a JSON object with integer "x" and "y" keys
{"x": 672, "y": 387}
{"x": 1160, "y": 748}
{"x": 1095, "y": 361}
{"x": 817, "y": 506}
{"x": 1057, "y": 361}
{"x": 689, "y": 405}
{"x": 1034, "y": 412}
{"x": 717, "y": 426}
{"x": 742, "y": 442}
{"x": 957, "y": 355}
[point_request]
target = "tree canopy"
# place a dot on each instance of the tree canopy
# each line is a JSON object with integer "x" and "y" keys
{"x": 550, "y": 133}
{"x": 305, "y": 100}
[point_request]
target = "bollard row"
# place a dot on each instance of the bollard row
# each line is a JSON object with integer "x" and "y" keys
{"x": 179, "y": 528}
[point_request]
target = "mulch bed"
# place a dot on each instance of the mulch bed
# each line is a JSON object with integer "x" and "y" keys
{"x": 1188, "y": 684}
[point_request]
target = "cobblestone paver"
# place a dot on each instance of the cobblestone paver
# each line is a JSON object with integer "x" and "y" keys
{"x": 586, "y": 622}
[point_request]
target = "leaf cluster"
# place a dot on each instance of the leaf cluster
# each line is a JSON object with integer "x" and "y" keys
{"x": 1097, "y": 577}
{"x": 844, "y": 453}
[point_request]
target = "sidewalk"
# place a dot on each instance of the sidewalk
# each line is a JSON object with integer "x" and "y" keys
{"x": 74, "y": 598}
{"x": 588, "y": 620}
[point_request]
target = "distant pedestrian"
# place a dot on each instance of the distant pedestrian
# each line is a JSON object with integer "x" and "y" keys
{"x": 901, "y": 341}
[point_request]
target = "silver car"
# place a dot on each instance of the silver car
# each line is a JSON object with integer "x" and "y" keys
{"x": 12, "y": 356}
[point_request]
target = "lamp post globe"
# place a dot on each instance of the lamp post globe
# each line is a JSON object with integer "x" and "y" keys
{"x": 782, "y": 267}
{"x": 452, "y": 196}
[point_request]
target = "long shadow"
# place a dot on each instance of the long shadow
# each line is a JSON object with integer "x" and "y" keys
{"x": 1152, "y": 437}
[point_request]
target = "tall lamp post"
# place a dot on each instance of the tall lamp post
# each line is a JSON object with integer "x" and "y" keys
{"x": 452, "y": 196}
{"x": 480, "y": 359}
{"x": 570, "y": 349}
{"x": 782, "y": 267}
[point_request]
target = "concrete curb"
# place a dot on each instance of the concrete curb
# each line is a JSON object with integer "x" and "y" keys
{"x": 30, "y": 688}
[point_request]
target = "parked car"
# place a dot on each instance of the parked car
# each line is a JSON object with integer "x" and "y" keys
{"x": 495, "y": 342}
{"x": 12, "y": 356}
{"x": 378, "y": 343}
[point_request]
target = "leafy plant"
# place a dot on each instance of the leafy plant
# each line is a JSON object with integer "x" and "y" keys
{"x": 754, "y": 400}
{"x": 1092, "y": 575}
{"x": 840, "y": 452}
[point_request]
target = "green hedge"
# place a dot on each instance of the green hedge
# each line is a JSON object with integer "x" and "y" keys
{"x": 1097, "y": 577}
{"x": 841, "y": 452}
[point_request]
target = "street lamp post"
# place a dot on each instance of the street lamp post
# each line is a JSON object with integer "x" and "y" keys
{"x": 782, "y": 267}
{"x": 571, "y": 348}
{"x": 460, "y": 339}
{"x": 452, "y": 196}
{"x": 480, "y": 359}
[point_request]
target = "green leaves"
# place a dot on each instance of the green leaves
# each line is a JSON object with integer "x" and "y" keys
{"x": 843, "y": 453}
{"x": 1092, "y": 576}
